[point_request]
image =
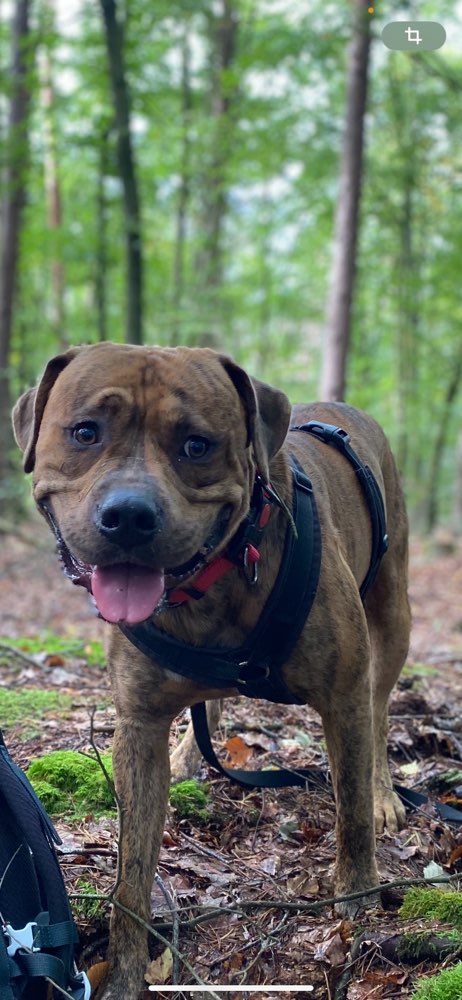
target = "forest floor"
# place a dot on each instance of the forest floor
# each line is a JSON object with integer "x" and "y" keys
{"x": 254, "y": 846}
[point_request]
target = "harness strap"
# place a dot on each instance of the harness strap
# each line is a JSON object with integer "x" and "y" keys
{"x": 283, "y": 778}
{"x": 254, "y": 667}
{"x": 338, "y": 438}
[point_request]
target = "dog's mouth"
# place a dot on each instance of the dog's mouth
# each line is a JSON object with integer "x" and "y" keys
{"x": 127, "y": 592}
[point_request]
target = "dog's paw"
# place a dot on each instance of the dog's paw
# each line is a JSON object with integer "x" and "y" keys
{"x": 352, "y": 907}
{"x": 355, "y": 883}
{"x": 183, "y": 766}
{"x": 389, "y": 812}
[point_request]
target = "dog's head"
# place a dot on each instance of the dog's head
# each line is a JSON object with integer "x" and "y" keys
{"x": 143, "y": 460}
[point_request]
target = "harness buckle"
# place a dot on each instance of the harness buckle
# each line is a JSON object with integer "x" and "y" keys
{"x": 260, "y": 672}
{"x": 21, "y": 937}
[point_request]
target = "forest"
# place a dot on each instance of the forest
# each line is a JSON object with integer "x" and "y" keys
{"x": 183, "y": 190}
{"x": 269, "y": 179}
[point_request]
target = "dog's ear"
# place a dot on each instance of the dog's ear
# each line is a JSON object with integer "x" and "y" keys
{"x": 268, "y": 414}
{"x": 28, "y": 412}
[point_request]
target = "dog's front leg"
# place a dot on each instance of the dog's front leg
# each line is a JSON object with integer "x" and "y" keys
{"x": 349, "y": 737}
{"x": 142, "y": 776}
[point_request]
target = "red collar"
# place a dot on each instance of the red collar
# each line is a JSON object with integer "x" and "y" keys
{"x": 242, "y": 551}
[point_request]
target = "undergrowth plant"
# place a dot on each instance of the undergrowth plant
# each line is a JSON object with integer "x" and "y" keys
{"x": 447, "y": 985}
{"x": 73, "y": 784}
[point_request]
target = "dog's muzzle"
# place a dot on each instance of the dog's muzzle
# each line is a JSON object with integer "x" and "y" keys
{"x": 128, "y": 519}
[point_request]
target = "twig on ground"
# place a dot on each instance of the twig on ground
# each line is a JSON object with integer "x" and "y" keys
{"x": 11, "y": 653}
{"x": 168, "y": 944}
{"x": 265, "y": 940}
{"x": 112, "y": 787}
{"x": 344, "y": 980}
{"x": 213, "y": 913}
{"x": 176, "y": 924}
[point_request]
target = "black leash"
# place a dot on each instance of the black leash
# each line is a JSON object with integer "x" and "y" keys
{"x": 279, "y": 778}
{"x": 310, "y": 778}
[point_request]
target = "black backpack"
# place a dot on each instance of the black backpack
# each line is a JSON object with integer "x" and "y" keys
{"x": 37, "y": 932}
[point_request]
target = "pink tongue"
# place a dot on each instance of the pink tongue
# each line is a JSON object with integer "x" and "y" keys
{"x": 126, "y": 593}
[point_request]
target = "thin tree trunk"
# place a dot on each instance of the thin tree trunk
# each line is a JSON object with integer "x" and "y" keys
{"x": 408, "y": 323}
{"x": 126, "y": 162}
{"x": 184, "y": 189}
{"x": 439, "y": 445}
{"x": 52, "y": 187}
{"x": 101, "y": 263}
{"x": 209, "y": 260}
{"x": 17, "y": 148}
{"x": 338, "y": 313}
{"x": 407, "y": 264}
{"x": 457, "y": 506}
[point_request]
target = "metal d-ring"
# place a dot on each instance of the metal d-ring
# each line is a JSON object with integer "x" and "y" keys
{"x": 251, "y": 568}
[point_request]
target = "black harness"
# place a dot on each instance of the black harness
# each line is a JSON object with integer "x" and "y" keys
{"x": 255, "y": 667}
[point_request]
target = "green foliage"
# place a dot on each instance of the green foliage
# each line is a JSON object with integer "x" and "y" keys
{"x": 447, "y": 985}
{"x": 421, "y": 945}
{"x": 443, "y": 905}
{"x": 189, "y": 799}
{"x": 281, "y": 131}
{"x": 86, "y": 908}
{"x": 91, "y": 651}
{"x": 24, "y": 705}
{"x": 72, "y": 784}
{"x": 421, "y": 669}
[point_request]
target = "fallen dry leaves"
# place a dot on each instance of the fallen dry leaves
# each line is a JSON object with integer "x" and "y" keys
{"x": 256, "y": 846}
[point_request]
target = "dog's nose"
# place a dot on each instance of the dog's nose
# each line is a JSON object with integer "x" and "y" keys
{"x": 127, "y": 519}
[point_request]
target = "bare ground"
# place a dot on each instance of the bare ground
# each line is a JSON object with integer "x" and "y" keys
{"x": 256, "y": 846}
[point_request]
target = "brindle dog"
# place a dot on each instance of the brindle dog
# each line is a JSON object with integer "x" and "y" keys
{"x": 145, "y": 458}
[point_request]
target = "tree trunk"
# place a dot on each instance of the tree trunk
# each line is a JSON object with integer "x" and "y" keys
{"x": 184, "y": 189}
{"x": 407, "y": 276}
{"x": 457, "y": 505}
{"x": 17, "y": 148}
{"x": 101, "y": 263}
{"x": 114, "y": 43}
{"x": 52, "y": 185}
{"x": 209, "y": 260}
{"x": 439, "y": 445}
{"x": 338, "y": 313}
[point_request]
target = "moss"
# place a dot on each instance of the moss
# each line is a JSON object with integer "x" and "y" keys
{"x": 438, "y": 904}
{"x": 57, "y": 645}
{"x": 426, "y": 945}
{"x": 447, "y": 985}
{"x": 445, "y": 780}
{"x": 72, "y": 784}
{"x": 25, "y": 705}
{"x": 190, "y": 799}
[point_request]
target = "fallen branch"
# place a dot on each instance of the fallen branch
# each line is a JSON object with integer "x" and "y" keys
{"x": 408, "y": 947}
{"x": 11, "y": 653}
{"x": 167, "y": 944}
{"x": 212, "y": 913}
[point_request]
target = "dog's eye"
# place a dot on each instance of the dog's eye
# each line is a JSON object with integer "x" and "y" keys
{"x": 86, "y": 434}
{"x": 196, "y": 447}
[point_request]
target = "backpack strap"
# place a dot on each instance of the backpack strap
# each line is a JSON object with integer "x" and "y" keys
{"x": 40, "y": 947}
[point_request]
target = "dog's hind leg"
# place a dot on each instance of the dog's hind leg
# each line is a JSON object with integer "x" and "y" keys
{"x": 185, "y": 759}
{"x": 389, "y": 620}
{"x": 349, "y": 737}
